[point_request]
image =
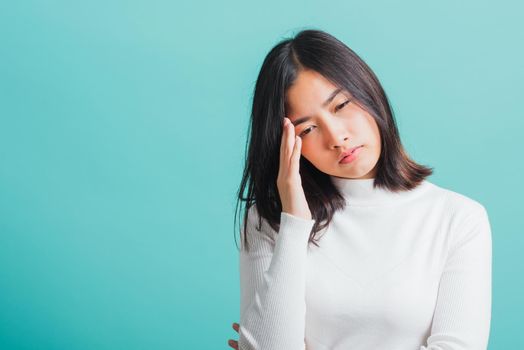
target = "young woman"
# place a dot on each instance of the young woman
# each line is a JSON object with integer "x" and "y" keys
{"x": 345, "y": 243}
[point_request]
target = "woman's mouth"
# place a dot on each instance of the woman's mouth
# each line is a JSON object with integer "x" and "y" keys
{"x": 351, "y": 156}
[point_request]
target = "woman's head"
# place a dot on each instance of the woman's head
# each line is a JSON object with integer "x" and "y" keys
{"x": 296, "y": 77}
{"x": 330, "y": 122}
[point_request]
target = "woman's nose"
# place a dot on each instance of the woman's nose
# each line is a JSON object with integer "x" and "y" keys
{"x": 336, "y": 135}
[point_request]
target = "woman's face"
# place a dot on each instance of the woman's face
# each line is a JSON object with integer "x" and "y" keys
{"x": 333, "y": 128}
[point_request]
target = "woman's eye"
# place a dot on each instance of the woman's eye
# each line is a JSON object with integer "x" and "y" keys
{"x": 342, "y": 105}
{"x": 308, "y": 130}
{"x": 305, "y": 131}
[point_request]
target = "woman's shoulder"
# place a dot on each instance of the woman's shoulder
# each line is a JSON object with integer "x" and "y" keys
{"x": 466, "y": 218}
{"x": 458, "y": 204}
{"x": 257, "y": 229}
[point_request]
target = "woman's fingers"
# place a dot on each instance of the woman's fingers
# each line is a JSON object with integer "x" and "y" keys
{"x": 282, "y": 148}
{"x": 233, "y": 343}
{"x": 283, "y": 142}
{"x": 289, "y": 183}
{"x": 290, "y": 139}
{"x": 295, "y": 156}
{"x": 287, "y": 145}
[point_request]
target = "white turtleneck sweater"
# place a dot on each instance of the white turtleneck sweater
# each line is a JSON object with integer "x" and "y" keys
{"x": 394, "y": 271}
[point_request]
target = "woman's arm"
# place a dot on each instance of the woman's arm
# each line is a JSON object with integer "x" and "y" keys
{"x": 273, "y": 276}
{"x": 463, "y": 311}
{"x": 272, "y": 285}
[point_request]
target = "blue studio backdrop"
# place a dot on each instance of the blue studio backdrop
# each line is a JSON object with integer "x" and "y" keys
{"x": 122, "y": 136}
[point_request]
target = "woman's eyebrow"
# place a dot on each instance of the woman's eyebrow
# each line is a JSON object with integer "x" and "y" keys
{"x": 326, "y": 102}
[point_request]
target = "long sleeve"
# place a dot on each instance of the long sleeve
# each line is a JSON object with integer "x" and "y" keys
{"x": 273, "y": 284}
{"x": 463, "y": 311}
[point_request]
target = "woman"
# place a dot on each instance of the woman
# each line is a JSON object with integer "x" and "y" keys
{"x": 345, "y": 243}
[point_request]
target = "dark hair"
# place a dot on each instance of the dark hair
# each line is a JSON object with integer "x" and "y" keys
{"x": 321, "y": 52}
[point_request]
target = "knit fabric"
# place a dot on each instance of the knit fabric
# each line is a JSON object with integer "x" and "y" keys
{"x": 396, "y": 271}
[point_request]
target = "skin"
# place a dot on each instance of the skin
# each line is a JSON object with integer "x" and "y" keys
{"x": 331, "y": 130}
{"x": 289, "y": 182}
{"x": 334, "y": 128}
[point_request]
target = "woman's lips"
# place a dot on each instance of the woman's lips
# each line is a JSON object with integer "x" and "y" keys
{"x": 349, "y": 158}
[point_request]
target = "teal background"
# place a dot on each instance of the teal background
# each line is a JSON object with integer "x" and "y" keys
{"x": 122, "y": 134}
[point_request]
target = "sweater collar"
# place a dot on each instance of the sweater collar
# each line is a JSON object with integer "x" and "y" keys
{"x": 361, "y": 192}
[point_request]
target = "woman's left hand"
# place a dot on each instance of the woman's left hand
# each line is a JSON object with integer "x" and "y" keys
{"x": 231, "y": 342}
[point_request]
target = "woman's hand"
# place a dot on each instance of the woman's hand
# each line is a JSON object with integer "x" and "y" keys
{"x": 289, "y": 182}
{"x": 234, "y": 343}
{"x": 231, "y": 342}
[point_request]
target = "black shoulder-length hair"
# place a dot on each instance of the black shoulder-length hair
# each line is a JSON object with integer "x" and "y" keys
{"x": 321, "y": 52}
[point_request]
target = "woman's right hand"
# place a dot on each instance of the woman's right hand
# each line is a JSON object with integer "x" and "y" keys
{"x": 289, "y": 182}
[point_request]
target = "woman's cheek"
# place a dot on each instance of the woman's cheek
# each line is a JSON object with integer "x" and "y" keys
{"x": 304, "y": 148}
